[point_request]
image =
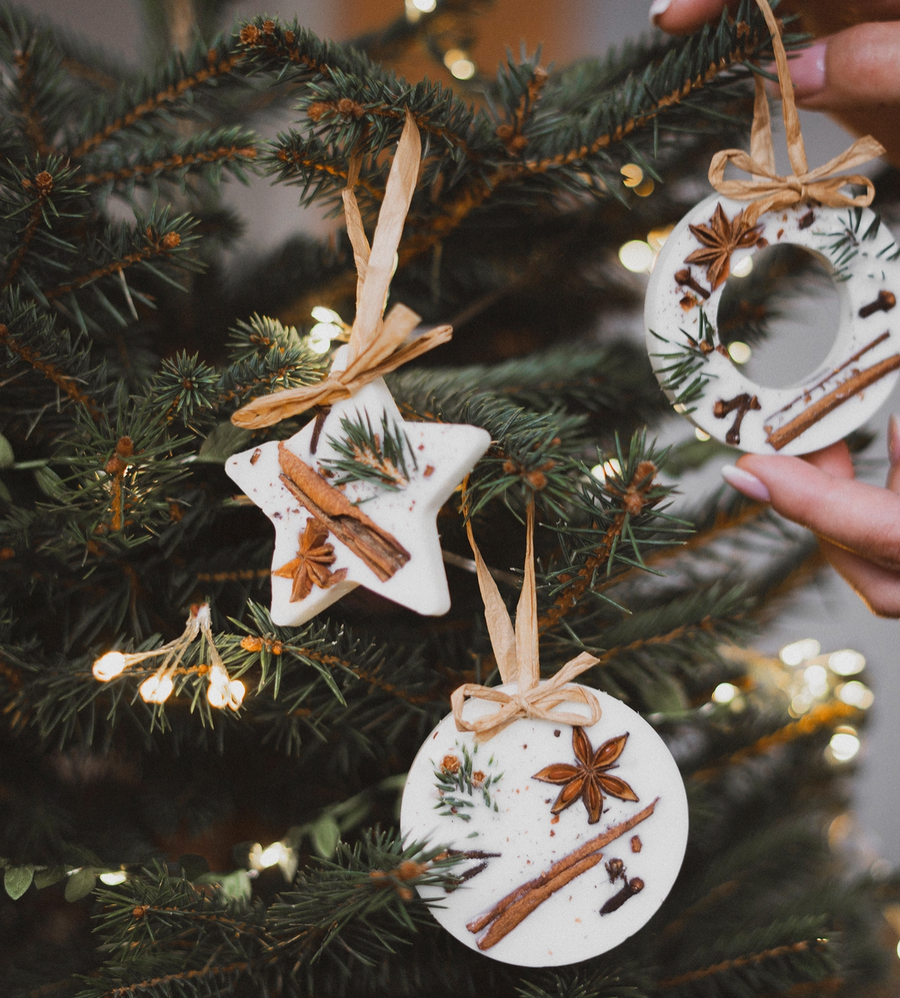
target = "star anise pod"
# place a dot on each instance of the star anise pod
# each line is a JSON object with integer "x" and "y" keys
{"x": 311, "y": 566}
{"x": 720, "y": 239}
{"x": 589, "y": 778}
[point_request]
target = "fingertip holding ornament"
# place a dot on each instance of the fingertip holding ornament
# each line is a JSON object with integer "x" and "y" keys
{"x": 745, "y": 483}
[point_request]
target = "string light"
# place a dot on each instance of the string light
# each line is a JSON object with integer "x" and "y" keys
{"x": 109, "y": 666}
{"x": 329, "y": 326}
{"x": 724, "y": 693}
{"x": 459, "y": 64}
{"x": 636, "y": 256}
{"x": 113, "y": 878}
{"x": 844, "y": 744}
{"x": 846, "y": 662}
{"x": 156, "y": 688}
{"x": 632, "y": 175}
{"x": 223, "y": 691}
{"x": 743, "y": 267}
{"x": 739, "y": 352}
{"x": 701, "y": 435}
{"x": 855, "y": 694}
{"x": 800, "y": 651}
{"x": 607, "y": 469}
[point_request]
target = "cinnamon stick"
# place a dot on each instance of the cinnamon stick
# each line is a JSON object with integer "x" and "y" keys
{"x": 523, "y": 906}
{"x": 812, "y": 414}
{"x": 552, "y": 876}
{"x": 378, "y": 549}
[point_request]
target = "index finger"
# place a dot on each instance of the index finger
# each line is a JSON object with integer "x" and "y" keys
{"x": 862, "y": 518}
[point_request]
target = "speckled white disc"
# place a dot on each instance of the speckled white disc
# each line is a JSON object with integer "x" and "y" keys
{"x": 852, "y": 382}
{"x": 519, "y": 826}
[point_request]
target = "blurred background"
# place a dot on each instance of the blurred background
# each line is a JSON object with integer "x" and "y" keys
{"x": 828, "y": 613}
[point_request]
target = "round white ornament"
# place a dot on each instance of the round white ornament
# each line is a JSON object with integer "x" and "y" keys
{"x": 571, "y": 836}
{"x": 694, "y": 367}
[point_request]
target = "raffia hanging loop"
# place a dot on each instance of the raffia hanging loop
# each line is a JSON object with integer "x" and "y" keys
{"x": 769, "y": 190}
{"x": 377, "y": 345}
{"x": 516, "y": 652}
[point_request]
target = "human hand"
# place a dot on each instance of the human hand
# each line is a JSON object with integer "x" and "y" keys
{"x": 857, "y": 525}
{"x": 852, "y": 70}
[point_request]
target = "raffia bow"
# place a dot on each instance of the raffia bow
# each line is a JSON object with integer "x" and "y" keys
{"x": 516, "y": 652}
{"x": 377, "y": 345}
{"x": 770, "y": 191}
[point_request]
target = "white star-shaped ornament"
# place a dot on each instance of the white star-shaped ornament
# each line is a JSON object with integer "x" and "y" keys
{"x": 394, "y": 548}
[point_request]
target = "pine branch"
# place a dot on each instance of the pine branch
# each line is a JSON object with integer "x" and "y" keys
{"x": 203, "y": 65}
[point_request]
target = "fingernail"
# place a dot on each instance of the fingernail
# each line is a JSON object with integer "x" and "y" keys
{"x": 657, "y": 8}
{"x": 747, "y": 484}
{"x": 894, "y": 439}
{"x": 808, "y": 70}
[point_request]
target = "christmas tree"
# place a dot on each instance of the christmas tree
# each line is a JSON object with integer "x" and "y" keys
{"x": 196, "y": 799}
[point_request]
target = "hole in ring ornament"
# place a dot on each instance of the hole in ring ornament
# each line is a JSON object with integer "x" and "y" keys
{"x": 550, "y": 873}
{"x": 693, "y": 366}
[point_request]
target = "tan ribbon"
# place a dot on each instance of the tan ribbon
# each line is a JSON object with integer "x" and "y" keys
{"x": 516, "y": 652}
{"x": 377, "y": 345}
{"x": 767, "y": 189}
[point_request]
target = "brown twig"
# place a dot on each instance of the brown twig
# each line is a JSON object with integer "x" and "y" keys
{"x": 157, "y": 246}
{"x": 743, "y": 961}
{"x": 214, "y": 69}
{"x": 509, "y": 911}
{"x": 67, "y": 385}
{"x": 174, "y": 162}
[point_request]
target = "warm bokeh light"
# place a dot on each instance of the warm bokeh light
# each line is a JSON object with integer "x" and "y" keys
{"x": 724, "y": 693}
{"x": 799, "y": 651}
{"x": 844, "y": 744}
{"x": 846, "y": 662}
{"x": 743, "y": 267}
{"x": 739, "y": 352}
{"x": 855, "y": 694}
{"x": 636, "y": 256}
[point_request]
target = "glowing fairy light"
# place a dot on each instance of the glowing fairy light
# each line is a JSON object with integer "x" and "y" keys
{"x": 855, "y": 694}
{"x": 223, "y": 690}
{"x": 846, "y": 662}
{"x": 459, "y": 64}
{"x": 844, "y": 745}
{"x": 724, "y": 693}
{"x": 800, "y": 651}
{"x": 329, "y": 326}
{"x": 701, "y": 435}
{"x": 110, "y": 665}
{"x": 274, "y": 854}
{"x": 636, "y": 256}
{"x": 156, "y": 688}
{"x": 425, "y": 6}
{"x": 632, "y": 175}
{"x": 743, "y": 267}
{"x": 607, "y": 469}
{"x": 739, "y": 352}
{"x": 113, "y": 878}
{"x": 816, "y": 679}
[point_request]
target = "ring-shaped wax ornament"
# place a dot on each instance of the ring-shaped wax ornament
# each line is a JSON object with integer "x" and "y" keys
{"x": 694, "y": 367}
{"x": 569, "y": 838}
